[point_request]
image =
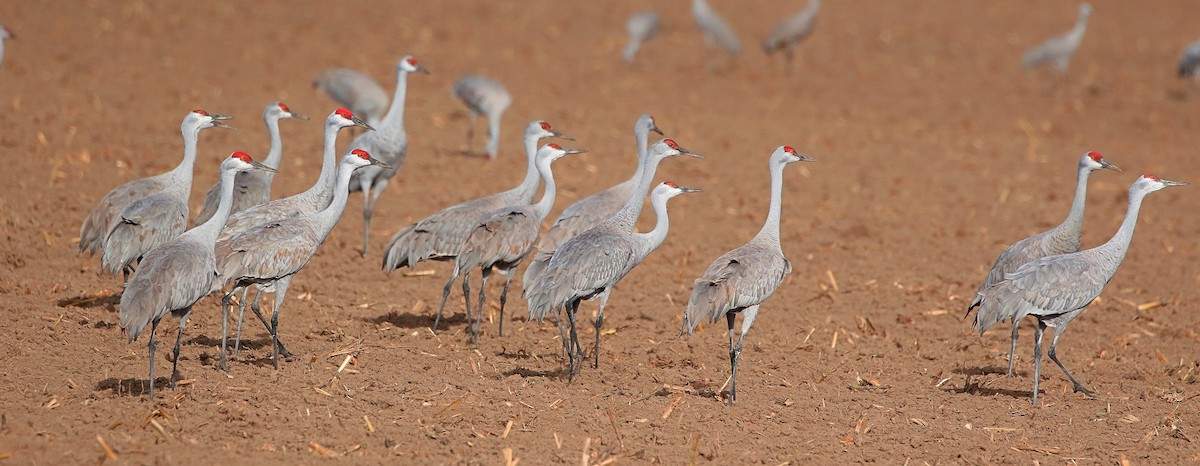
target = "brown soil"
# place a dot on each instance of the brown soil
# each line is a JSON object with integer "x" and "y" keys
{"x": 935, "y": 151}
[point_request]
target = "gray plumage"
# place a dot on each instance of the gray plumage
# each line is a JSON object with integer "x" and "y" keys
{"x": 180, "y": 272}
{"x": 138, "y": 201}
{"x": 501, "y": 239}
{"x": 389, "y": 144}
{"x": 589, "y": 264}
{"x": 487, "y": 96}
{"x": 1062, "y": 239}
{"x": 269, "y": 255}
{"x": 253, "y": 187}
{"x": 716, "y": 31}
{"x": 1189, "y": 60}
{"x": 355, "y": 91}
{"x": 1056, "y": 289}
{"x": 590, "y": 211}
{"x": 1058, "y": 50}
{"x": 743, "y": 278}
{"x": 439, "y": 236}
{"x": 5, "y": 34}
{"x": 792, "y": 30}
{"x": 641, "y": 27}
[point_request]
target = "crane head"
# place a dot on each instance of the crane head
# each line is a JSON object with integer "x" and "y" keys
{"x": 1154, "y": 183}
{"x": 669, "y": 189}
{"x": 788, "y": 154}
{"x": 408, "y": 64}
{"x": 1094, "y": 161}
{"x": 541, "y": 129}
{"x": 241, "y": 161}
{"x": 5, "y": 33}
{"x": 342, "y": 118}
{"x": 281, "y": 111}
{"x": 669, "y": 148}
{"x": 200, "y": 119}
{"x": 360, "y": 158}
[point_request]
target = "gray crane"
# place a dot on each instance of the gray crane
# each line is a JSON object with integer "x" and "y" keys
{"x": 1058, "y": 50}
{"x": 253, "y": 187}
{"x": 439, "y": 236}
{"x": 1056, "y": 289}
{"x": 5, "y": 34}
{"x": 389, "y": 144}
{"x": 354, "y": 90}
{"x": 270, "y": 255}
{"x": 590, "y": 211}
{"x": 742, "y": 279}
{"x": 1189, "y": 60}
{"x": 488, "y": 96}
{"x": 791, "y": 31}
{"x": 641, "y": 27}
{"x": 589, "y": 264}
{"x": 181, "y": 271}
{"x": 716, "y": 31}
{"x": 131, "y": 199}
{"x": 502, "y": 238}
{"x": 315, "y": 199}
{"x": 1061, "y": 239}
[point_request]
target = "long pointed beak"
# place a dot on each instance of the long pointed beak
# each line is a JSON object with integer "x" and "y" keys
{"x": 221, "y": 117}
{"x": 561, "y": 136}
{"x": 801, "y": 158}
{"x": 690, "y": 190}
{"x": 656, "y": 130}
{"x": 421, "y": 69}
{"x": 1110, "y": 166}
{"x": 575, "y": 151}
{"x": 218, "y": 124}
{"x": 299, "y": 115}
{"x": 1174, "y": 183}
{"x": 260, "y": 166}
{"x": 690, "y": 153}
{"x": 358, "y": 122}
{"x": 375, "y": 161}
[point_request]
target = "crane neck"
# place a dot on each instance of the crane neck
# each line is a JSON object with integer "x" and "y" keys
{"x": 629, "y": 213}
{"x": 275, "y": 153}
{"x": 394, "y": 119}
{"x": 770, "y": 229}
{"x": 207, "y": 232}
{"x": 328, "y": 163}
{"x": 1074, "y": 221}
{"x": 1119, "y": 243}
{"x": 528, "y": 187}
{"x": 813, "y": 5}
{"x": 543, "y": 206}
{"x": 1080, "y": 26}
{"x": 641, "y": 136}
{"x": 650, "y": 241}
{"x": 493, "y": 143}
{"x": 328, "y": 218}
{"x": 182, "y": 173}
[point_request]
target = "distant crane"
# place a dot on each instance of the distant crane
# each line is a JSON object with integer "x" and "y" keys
{"x": 440, "y": 235}
{"x": 389, "y": 144}
{"x": 253, "y": 187}
{"x": 589, "y": 264}
{"x": 791, "y": 31}
{"x": 590, "y": 211}
{"x": 177, "y": 274}
{"x": 502, "y": 238}
{"x": 1056, "y": 289}
{"x": 355, "y": 91}
{"x": 641, "y": 27}
{"x": 270, "y": 255}
{"x": 484, "y": 95}
{"x": 1058, "y": 50}
{"x": 5, "y": 34}
{"x": 716, "y": 31}
{"x": 1189, "y": 60}
{"x": 134, "y": 199}
{"x": 1061, "y": 239}
{"x": 742, "y": 279}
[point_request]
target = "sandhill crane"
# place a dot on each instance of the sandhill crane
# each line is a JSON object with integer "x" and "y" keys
{"x": 587, "y": 265}
{"x": 1058, "y": 50}
{"x": 501, "y": 239}
{"x": 5, "y": 34}
{"x": 439, "y": 236}
{"x": 355, "y": 91}
{"x": 389, "y": 144}
{"x": 487, "y": 96}
{"x": 640, "y": 27}
{"x": 253, "y": 187}
{"x": 314, "y": 199}
{"x": 177, "y": 274}
{"x": 271, "y": 254}
{"x": 1189, "y": 60}
{"x": 98, "y": 225}
{"x": 590, "y": 211}
{"x": 742, "y": 279}
{"x": 791, "y": 31}
{"x": 715, "y": 30}
{"x": 1056, "y": 289}
{"x": 1061, "y": 239}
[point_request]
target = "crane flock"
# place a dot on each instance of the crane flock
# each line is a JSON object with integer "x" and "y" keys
{"x": 243, "y": 239}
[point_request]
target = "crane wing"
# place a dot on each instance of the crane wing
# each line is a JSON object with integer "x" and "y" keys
{"x": 738, "y": 279}
{"x": 172, "y": 276}
{"x": 1045, "y": 287}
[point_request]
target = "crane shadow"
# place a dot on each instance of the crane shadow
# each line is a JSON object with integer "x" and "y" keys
{"x": 987, "y": 370}
{"x": 410, "y": 320}
{"x": 526, "y": 372}
{"x": 109, "y": 302}
{"x": 976, "y": 388}
{"x": 132, "y": 387}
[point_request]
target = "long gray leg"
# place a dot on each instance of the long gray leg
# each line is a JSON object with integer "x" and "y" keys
{"x": 603, "y": 298}
{"x": 1058, "y": 331}
{"x": 225, "y": 301}
{"x": 445, "y": 295}
{"x": 237, "y": 339}
{"x": 369, "y": 209}
{"x": 281, "y": 288}
{"x": 1012, "y": 349}
{"x": 484, "y": 273}
{"x": 508, "y": 274}
{"x": 153, "y": 328}
{"x": 748, "y": 317}
{"x": 466, "y": 289}
{"x": 258, "y": 312}
{"x": 573, "y": 353}
{"x": 178, "y": 340}
{"x": 471, "y": 130}
{"x": 731, "y": 317}
{"x": 1037, "y": 358}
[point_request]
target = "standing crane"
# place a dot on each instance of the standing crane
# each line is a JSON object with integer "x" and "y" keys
{"x": 1058, "y": 50}
{"x": 439, "y": 236}
{"x": 1189, "y": 60}
{"x": 487, "y": 96}
{"x": 590, "y": 263}
{"x": 742, "y": 279}
{"x": 791, "y": 31}
{"x": 1056, "y": 289}
{"x": 96, "y": 229}
{"x": 5, "y": 34}
{"x": 315, "y": 199}
{"x": 590, "y": 211}
{"x": 177, "y": 274}
{"x": 641, "y": 27}
{"x": 716, "y": 31}
{"x": 271, "y": 254}
{"x": 502, "y": 238}
{"x": 389, "y": 144}
{"x": 354, "y": 90}
{"x": 1062, "y": 239}
{"x": 253, "y": 187}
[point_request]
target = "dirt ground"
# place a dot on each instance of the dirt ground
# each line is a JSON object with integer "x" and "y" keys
{"x": 934, "y": 150}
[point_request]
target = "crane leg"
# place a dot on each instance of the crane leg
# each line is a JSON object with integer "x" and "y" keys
{"x": 368, "y": 210}
{"x": 445, "y": 295}
{"x": 1012, "y": 348}
{"x": 281, "y": 288}
{"x": 748, "y": 316}
{"x": 153, "y": 328}
{"x": 599, "y": 322}
{"x": 225, "y": 302}
{"x": 574, "y": 343}
{"x": 562, "y": 333}
{"x": 504, "y": 296}
{"x": 731, "y": 317}
{"x": 789, "y": 62}
{"x": 237, "y": 339}
{"x": 484, "y": 273}
{"x": 1037, "y": 358}
{"x": 178, "y": 339}
{"x": 471, "y": 131}
{"x": 466, "y": 289}
{"x": 254, "y": 306}
{"x": 1053, "y": 343}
